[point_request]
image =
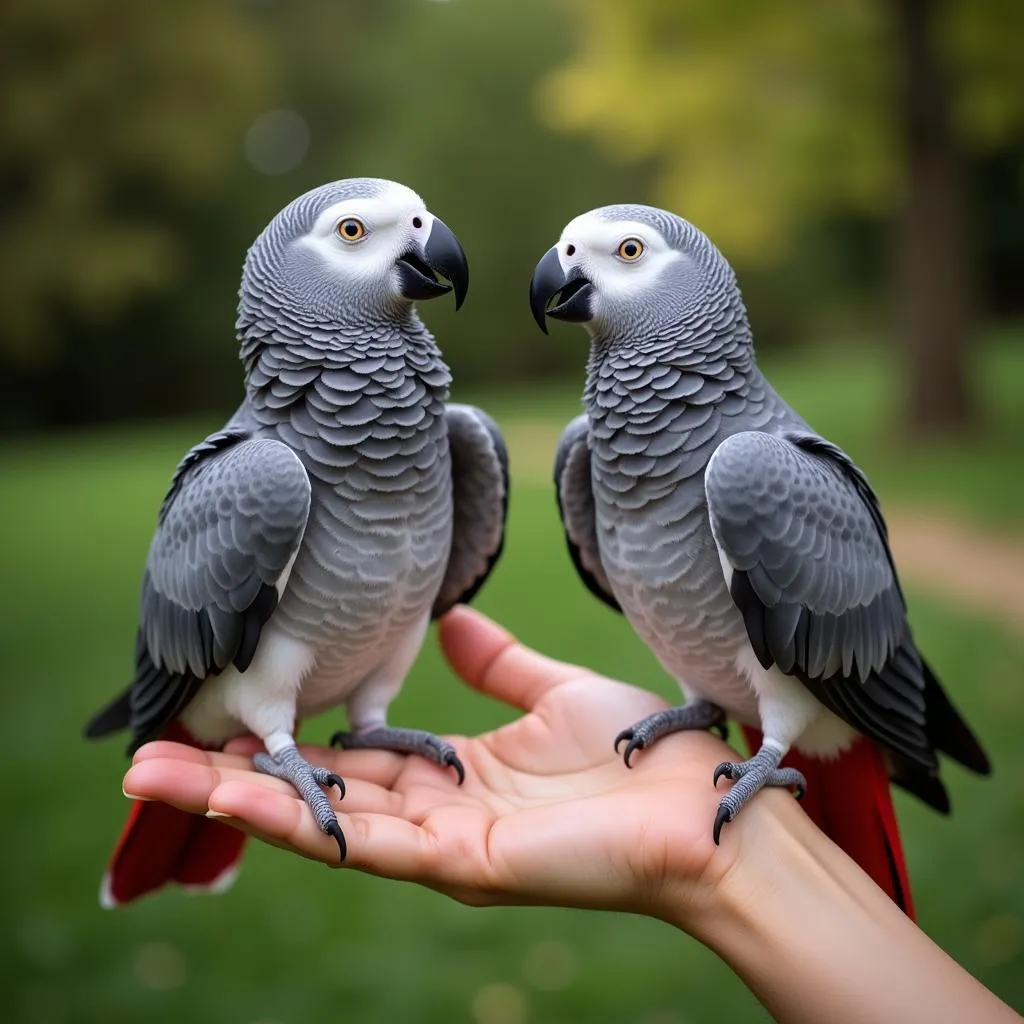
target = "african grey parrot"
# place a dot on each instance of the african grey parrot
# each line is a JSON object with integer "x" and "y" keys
{"x": 302, "y": 550}
{"x": 749, "y": 553}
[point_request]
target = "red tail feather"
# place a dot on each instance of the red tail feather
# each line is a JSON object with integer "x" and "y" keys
{"x": 849, "y": 799}
{"x": 160, "y": 845}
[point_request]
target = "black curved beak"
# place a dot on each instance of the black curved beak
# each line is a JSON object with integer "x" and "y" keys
{"x": 443, "y": 255}
{"x": 571, "y": 292}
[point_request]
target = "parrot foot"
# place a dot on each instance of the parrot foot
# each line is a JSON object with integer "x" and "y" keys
{"x": 750, "y": 777}
{"x": 698, "y": 714}
{"x": 404, "y": 741}
{"x": 307, "y": 778}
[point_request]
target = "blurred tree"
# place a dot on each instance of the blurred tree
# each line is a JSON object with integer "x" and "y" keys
{"x": 766, "y": 116}
{"x": 116, "y": 115}
{"x": 145, "y": 146}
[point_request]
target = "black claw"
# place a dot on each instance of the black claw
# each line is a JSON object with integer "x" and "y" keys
{"x": 337, "y": 780}
{"x": 800, "y": 791}
{"x": 722, "y": 729}
{"x": 338, "y": 739}
{"x": 725, "y": 768}
{"x": 626, "y": 734}
{"x": 721, "y": 818}
{"x": 452, "y": 759}
{"x": 334, "y": 829}
{"x": 633, "y": 746}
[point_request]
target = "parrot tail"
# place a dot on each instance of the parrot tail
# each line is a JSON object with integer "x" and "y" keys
{"x": 161, "y": 845}
{"x": 849, "y": 799}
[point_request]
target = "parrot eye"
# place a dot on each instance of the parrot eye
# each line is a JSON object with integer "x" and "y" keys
{"x": 630, "y": 250}
{"x": 351, "y": 229}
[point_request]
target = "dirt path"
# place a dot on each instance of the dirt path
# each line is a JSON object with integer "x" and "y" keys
{"x": 961, "y": 563}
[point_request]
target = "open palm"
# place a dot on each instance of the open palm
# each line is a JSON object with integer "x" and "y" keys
{"x": 548, "y": 812}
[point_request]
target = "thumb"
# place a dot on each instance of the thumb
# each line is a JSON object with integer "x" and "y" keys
{"x": 491, "y": 660}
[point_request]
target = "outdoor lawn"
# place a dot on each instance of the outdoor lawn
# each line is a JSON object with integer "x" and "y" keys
{"x": 292, "y": 942}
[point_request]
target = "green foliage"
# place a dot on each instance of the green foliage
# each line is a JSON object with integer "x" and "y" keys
{"x": 293, "y": 943}
{"x": 114, "y": 113}
{"x": 764, "y": 116}
{"x": 131, "y": 192}
{"x": 135, "y": 199}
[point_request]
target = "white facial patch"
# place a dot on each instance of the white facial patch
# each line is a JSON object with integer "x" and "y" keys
{"x": 592, "y": 244}
{"x": 393, "y": 221}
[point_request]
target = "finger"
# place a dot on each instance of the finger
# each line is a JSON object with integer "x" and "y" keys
{"x": 491, "y": 660}
{"x": 381, "y": 844}
{"x": 381, "y": 767}
{"x": 185, "y": 784}
{"x": 189, "y": 786}
{"x": 166, "y": 750}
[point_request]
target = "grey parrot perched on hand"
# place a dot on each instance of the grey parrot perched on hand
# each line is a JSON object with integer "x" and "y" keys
{"x": 302, "y": 550}
{"x": 748, "y": 552}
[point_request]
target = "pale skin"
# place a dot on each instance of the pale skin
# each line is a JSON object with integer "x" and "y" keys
{"x": 549, "y": 815}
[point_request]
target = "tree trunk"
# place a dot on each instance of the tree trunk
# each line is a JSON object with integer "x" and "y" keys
{"x": 932, "y": 252}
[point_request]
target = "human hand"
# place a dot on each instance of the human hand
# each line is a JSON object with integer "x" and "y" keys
{"x": 548, "y": 812}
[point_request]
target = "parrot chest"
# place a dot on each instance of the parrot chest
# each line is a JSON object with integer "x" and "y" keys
{"x": 660, "y": 557}
{"x": 374, "y": 551}
{"x": 663, "y": 566}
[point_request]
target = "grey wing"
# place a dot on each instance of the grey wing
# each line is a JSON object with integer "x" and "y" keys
{"x": 806, "y": 554}
{"x": 228, "y": 532}
{"x": 480, "y": 491}
{"x": 575, "y": 497}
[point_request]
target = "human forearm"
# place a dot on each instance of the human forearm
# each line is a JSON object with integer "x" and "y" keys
{"x": 815, "y": 939}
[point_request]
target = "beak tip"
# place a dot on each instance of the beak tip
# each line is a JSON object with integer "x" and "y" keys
{"x": 548, "y": 278}
{"x": 444, "y": 254}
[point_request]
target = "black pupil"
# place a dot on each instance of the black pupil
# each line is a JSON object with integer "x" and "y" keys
{"x": 630, "y": 249}
{"x": 416, "y": 222}
{"x": 351, "y": 228}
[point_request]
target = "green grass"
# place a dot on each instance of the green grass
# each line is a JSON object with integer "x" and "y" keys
{"x": 292, "y": 942}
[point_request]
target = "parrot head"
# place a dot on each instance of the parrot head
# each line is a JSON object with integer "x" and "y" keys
{"x": 354, "y": 251}
{"x": 629, "y": 272}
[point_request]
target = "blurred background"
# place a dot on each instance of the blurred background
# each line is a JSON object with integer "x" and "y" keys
{"x": 861, "y": 163}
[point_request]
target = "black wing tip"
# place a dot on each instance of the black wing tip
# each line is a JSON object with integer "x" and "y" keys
{"x": 925, "y": 785}
{"x": 754, "y": 611}
{"x": 115, "y": 717}
{"x": 253, "y": 620}
{"x": 947, "y": 728}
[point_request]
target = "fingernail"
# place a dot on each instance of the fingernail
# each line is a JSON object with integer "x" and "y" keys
{"x": 135, "y": 796}
{"x": 217, "y": 814}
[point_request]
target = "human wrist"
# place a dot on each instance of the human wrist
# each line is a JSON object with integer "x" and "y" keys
{"x": 790, "y": 913}
{"x": 769, "y": 854}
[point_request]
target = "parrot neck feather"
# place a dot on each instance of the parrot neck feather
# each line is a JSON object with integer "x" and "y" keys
{"x": 711, "y": 347}
{"x": 286, "y": 352}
